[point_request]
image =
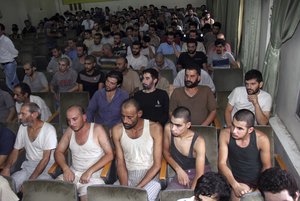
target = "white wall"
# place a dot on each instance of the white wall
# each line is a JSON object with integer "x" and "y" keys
{"x": 289, "y": 85}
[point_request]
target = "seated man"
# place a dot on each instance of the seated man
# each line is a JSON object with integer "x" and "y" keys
{"x": 169, "y": 47}
{"x": 108, "y": 59}
{"x": 39, "y": 140}
{"x": 7, "y": 141}
{"x": 78, "y": 62}
{"x": 136, "y": 60}
{"x": 22, "y": 94}
{"x": 7, "y": 107}
{"x": 138, "y": 144}
{"x": 131, "y": 80}
{"x": 199, "y": 99}
{"x": 36, "y": 80}
{"x": 90, "y": 79}
{"x": 96, "y": 48}
{"x": 6, "y": 193}
{"x": 56, "y": 55}
{"x": 161, "y": 63}
{"x": 221, "y": 58}
{"x": 211, "y": 186}
{"x": 277, "y": 184}
{"x": 248, "y": 152}
{"x": 90, "y": 148}
{"x": 205, "y": 80}
{"x": 250, "y": 97}
{"x": 105, "y": 106}
{"x": 184, "y": 150}
{"x": 64, "y": 80}
{"x": 154, "y": 102}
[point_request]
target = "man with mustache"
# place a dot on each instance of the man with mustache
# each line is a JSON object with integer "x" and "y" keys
{"x": 250, "y": 97}
{"x": 138, "y": 146}
{"x": 199, "y": 99}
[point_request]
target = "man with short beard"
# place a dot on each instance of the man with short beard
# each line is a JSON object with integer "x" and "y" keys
{"x": 105, "y": 106}
{"x": 250, "y": 97}
{"x": 91, "y": 78}
{"x": 136, "y": 60}
{"x": 192, "y": 56}
{"x": 199, "y": 99}
{"x": 138, "y": 146}
{"x": 39, "y": 140}
{"x": 78, "y": 62}
{"x": 154, "y": 102}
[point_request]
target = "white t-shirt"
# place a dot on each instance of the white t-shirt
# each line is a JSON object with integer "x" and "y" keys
{"x": 238, "y": 98}
{"x": 187, "y": 199}
{"x": 45, "y": 111}
{"x": 137, "y": 63}
{"x": 205, "y": 80}
{"x": 46, "y": 140}
{"x": 220, "y": 61}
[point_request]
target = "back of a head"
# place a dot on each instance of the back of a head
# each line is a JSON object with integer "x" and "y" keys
{"x": 254, "y": 74}
{"x": 275, "y": 180}
{"x": 214, "y": 185}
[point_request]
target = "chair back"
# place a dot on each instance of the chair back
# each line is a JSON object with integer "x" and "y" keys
{"x": 227, "y": 79}
{"x": 168, "y": 74}
{"x": 173, "y": 195}
{"x": 49, "y": 190}
{"x": 116, "y": 193}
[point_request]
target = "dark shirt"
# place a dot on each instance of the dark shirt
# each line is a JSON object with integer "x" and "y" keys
{"x": 245, "y": 162}
{"x": 155, "y": 105}
{"x": 186, "y": 60}
{"x": 7, "y": 141}
{"x": 90, "y": 82}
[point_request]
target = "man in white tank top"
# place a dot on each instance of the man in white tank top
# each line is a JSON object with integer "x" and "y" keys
{"x": 90, "y": 150}
{"x": 138, "y": 145}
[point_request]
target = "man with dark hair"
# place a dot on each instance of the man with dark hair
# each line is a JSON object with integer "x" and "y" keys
{"x": 131, "y": 80}
{"x": 22, "y": 94}
{"x": 39, "y": 140}
{"x": 154, "y": 102}
{"x": 8, "y": 53}
{"x": 221, "y": 58}
{"x": 192, "y": 56}
{"x": 216, "y": 28}
{"x": 210, "y": 186}
{"x": 28, "y": 28}
{"x": 277, "y": 184}
{"x": 136, "y": 60}
{"x": 78, "y": 62}
{"x": 90, "y": 79}
{"x": 250, "y": 97}
{"x": 248, "y": 153}
{"x": 91, "y": 150}
{"x": 7, "y": 107}
{"x": 169, "y": 47}
{"x": 53, "y": 64}
{"x": 184, "y": 150}
{"x": 199, "y": 99}
{"x": 138, "y": 145}
{"x": 105, "y": 106}
{"x": 35, "y": 79}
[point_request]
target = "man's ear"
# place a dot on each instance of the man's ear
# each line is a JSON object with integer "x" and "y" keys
{"x": 251, "y": 129}
{"x": 140, "y": 113}
{"x": 189, "y": 124}
{"x": 261, "y": 84}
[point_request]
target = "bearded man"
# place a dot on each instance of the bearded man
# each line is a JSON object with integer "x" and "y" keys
{"x": 199, "y": 99}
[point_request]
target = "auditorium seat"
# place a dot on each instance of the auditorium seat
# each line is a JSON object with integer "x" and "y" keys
{"x": 49, "y": 190}
{"x": 173, "y": 195}
{"x": 116, "y": 193}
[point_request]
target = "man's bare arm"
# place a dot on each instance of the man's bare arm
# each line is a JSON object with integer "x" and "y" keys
{"x": 156, "y": 133}
{"x": 104, "y": 143}
{"x": 121, "y": 170}
{"x": 12, "y": 158}
{"x": 265, "y": 150}
{"x": 42, "y": 164}
{"x": 199, "y": 148}
{"x": 210, "y": 118}
{"x": 228, "y": 111}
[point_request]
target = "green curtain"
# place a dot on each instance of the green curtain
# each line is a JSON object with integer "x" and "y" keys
{"x": 284, "y": 21}
{"x": 250, "y": 35}
{"x": 227, "y": 12}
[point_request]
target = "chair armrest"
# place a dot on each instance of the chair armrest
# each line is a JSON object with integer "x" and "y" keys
{"x": 109, "y": 173}
{"x": 53, "y": 116}
{"x": 55, "y": 170}
{"x": 280, "y": 162}
{"x": 163, "y": 174}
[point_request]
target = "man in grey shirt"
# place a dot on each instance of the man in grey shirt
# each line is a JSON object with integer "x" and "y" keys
{"x": 36, "y": 80}
{"x": 7, "y": 107}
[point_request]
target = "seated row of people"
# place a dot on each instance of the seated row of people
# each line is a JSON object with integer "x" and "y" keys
{"x": 139, "y": 145}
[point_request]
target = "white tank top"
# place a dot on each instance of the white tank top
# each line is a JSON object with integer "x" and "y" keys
{"x": 86, "y": 155}
{"x": 138, "y": 153}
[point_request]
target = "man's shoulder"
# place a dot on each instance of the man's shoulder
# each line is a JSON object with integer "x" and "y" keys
{"x": 265, "y": 95}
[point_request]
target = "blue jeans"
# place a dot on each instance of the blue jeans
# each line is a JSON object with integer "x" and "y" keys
{"x": 11, "y": 75}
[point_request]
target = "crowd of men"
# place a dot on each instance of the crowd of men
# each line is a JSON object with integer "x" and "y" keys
{"x": 134, "y": 116}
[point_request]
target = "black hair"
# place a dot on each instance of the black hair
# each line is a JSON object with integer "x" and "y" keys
{"x": 246, "y": 116}
{"x": 115, "y": 74}
{"x": 182, "y": 113}
{"x": 25, "y": 88}
{"x": 254, "y": 74}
